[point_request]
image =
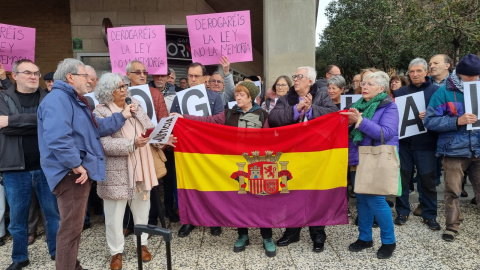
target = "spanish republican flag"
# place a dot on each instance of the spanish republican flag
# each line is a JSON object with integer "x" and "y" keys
{"x": 291, "y": 176}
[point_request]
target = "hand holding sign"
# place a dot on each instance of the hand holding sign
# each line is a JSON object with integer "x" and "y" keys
{"x": 467, "y": 118}
{"x": 3, "y": 73}
{"x": 225, "y": 65}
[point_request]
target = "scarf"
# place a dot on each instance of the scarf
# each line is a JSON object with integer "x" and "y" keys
{"x": 455, "y": 82}
{"x": 85, "y": 101}
{"x": 141, "y": 169}
{"x": 368, "y": 108}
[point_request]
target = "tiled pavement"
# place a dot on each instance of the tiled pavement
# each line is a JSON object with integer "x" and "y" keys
{"x": 417, "y": 248}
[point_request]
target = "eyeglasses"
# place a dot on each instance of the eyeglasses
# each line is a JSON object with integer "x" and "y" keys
{"x": 282, "y": 84}
{"x": 191, "y": 76}
{"x": 299, "y": 76}
{"x": 216, "y": 81}
{"x": 138, "y": 72}
{"x": 84, "y": 75}
{"x": 120, "y": 88}
{"x": 29, "y": 73}
{"x": 363, "y": 84}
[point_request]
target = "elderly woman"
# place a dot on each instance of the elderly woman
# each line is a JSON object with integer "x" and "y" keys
{"x": 336, "y": 86}
{"x": 374, "y": 112}
{"x": 246, "y": 114}
{"x": 279, "y": 89}
{"x": 303, "y": 102}
{"x": 396, "y": 82}
{"x": 129, "y": 165}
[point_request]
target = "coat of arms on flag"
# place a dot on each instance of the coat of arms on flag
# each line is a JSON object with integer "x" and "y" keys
{"x": 263, "y": 176}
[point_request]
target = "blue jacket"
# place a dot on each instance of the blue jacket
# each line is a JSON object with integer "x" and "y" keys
{"x": 214, "y": 99}
{"x": 385, "y": 118}
{"x": 445, "y": 107}
{"x": 425, "y": 141}
{"x": 67, "y": 136}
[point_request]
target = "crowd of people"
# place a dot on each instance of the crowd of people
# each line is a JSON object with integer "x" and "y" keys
{"x": 62, "y": 153}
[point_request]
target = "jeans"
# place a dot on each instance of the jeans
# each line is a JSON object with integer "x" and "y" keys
{"x": 425, "y": 162}
{"x": 18, "y": 188}
{"x": 368, "y": 207}
{"x": 454, "y": 169}
{"x": 2, "y": 211}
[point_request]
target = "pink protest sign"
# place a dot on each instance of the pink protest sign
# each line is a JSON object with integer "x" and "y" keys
{"x": 217, "y": 34}
{"x": 143, "y": 43}
{"x": 16, "y": 43}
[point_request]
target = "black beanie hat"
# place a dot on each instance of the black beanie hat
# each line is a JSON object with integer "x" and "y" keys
{"x": 469, "y": 65}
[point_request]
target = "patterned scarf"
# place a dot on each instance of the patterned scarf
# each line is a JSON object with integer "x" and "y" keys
{"x": 84, "y": 100}
{"x": 368, "y": 108}
{"x": 455, "y": 81}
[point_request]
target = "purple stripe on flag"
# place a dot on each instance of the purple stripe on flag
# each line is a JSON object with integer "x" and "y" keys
{"x": 299, "y": 208}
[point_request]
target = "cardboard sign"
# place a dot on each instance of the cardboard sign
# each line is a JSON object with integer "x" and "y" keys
{"x": 143, "y": 43}
{"x": 348, "y": 100}
{"x": 163, "y": 130}
{"x": 471, "y": 92}
{"x": 217, "y": 34}
{"x": 139, "y": 92}
{"x": 409, "y": 108}
{"x": 16, "y": 43}
{"x": 231, "y": 104}
{"x": 194, "y": 101}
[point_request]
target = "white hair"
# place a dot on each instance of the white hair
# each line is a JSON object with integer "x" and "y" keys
{"x": 106, "y": 86}
{"x": 417, "y": 61}
{"x": 381, "y": 78}
{"x": 311, "y": 73}
{"x": 68, "y": 65}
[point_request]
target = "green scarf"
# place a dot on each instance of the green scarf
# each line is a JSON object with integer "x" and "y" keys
{"x": 368, "y": 108}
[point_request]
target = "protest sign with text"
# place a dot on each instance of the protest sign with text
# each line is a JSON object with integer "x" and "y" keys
{"x": 348, "y": 100}
{"x": 194, "y": 101}
{"x": 163, "y": 130}
{"x": 409, "y": 108}
{"x": 472, "y": 100}
{"x": 217, "y": 34}
{"x": 140, "y": 93}
{"x": 16, "y": 43}
{"x": 144, "y": 43}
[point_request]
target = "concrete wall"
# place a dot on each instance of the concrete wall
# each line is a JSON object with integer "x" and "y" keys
{"x": 51, "y": 18}
{"x": 288, "y": 37}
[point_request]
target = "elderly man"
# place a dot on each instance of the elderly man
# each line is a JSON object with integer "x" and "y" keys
{"x": 196, "y": 76}
{"x": 160, "y": 82}
{"x": 48, "y": 79}
{"x": 440, "y": 66}
{"x": 93, "y": 78}
{"x": 22, "y": 173}
{"x": 330, "y": 71}
{"x": 459, "y": 147}
{"x": 71, "y": 152}
{"x": 223, "y": 85}
{"x": 171, "y": 79}
{"x": 418, "y": 151}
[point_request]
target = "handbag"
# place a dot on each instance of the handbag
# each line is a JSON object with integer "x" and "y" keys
{"x": 159, "y": 160}
{"x": 378, "y": 170}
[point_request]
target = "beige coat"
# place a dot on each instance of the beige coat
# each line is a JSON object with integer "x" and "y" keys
{"x": 116, "y": 157}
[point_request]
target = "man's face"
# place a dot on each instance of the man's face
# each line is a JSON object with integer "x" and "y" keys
{"x": 417, "y": 74}
{"x": 207, "y": 81}
{"x": 216, "y": 83}
{"x": 171, "y": 78}
{"x": 195, "y": 76}
{"x": 79, "y": 81}
{"x": 27, "y": 83}
{"x": 334, "y": 72}
{"x": 49, "y": 84}
{"x": 467, "y": 78}
{"x": 183, "y": 84}
{"x": 138, "y": 75}
{"x": 438, "y": 67}
{"x": 160, "y": 81}
{"x": 92, "y": 82}
{"x": 356, "y": 81}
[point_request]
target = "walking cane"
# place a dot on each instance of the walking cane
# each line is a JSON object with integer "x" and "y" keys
{"x": 152, "y": 229}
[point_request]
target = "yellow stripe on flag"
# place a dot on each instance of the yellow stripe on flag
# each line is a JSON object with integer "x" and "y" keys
{"x": 310, "y": 170}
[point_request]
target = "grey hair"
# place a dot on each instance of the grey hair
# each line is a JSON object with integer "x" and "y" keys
{"x": 381, "y": 78}
{"x": 19, "y": 62}
{"x": 311, "y": 73}
{"x": 87, "y": 67}
{"x": 417, "y": 61}
{"x": 129, "y": 65}
{"x": 106, "y": 86}
{"x": 171, "y": 70}
{"x": 338, "y": 81}
{"x": 67, "y": 65}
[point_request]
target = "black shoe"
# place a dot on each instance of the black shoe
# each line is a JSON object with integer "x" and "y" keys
{"x": 360, "y": 245}
{"x": 287, "y": 240}
{"x": 216, "y": 231}
{"x": 318, "y": 247}
{"x": 86, "y": 226}
{"x": 52, "y": 257}
{"x": 474, "y": 200}
{"x": 172, "y": 216}
{"x": 18, "y": 265}
{"x": 386, "y": 251}
{"x": 464, "y": 193}
{"x": 2, "y": 242}
{"x": 401, "y": 219}
{"x": 432, "y": 224}
{"x": 185, "y": 230}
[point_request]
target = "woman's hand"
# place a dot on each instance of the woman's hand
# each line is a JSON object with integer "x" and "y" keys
{"x": 308, "y": 102}
{"x": 353, "y": 115}
{"x": 141, "y": 142}
{"x": 171, "y": 140}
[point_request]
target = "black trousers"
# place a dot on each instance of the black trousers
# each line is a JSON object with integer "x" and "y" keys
{"x": 265, "y": 232}
{"x": 317, "y": 233}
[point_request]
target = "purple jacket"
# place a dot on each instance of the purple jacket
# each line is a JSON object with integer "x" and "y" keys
{"x": 386, "y": 118}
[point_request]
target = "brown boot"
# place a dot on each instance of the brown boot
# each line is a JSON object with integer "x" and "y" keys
{"x": 146, "y": 256}
{"x": 116, "y": 263}
{"x": 418, "y": 211}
